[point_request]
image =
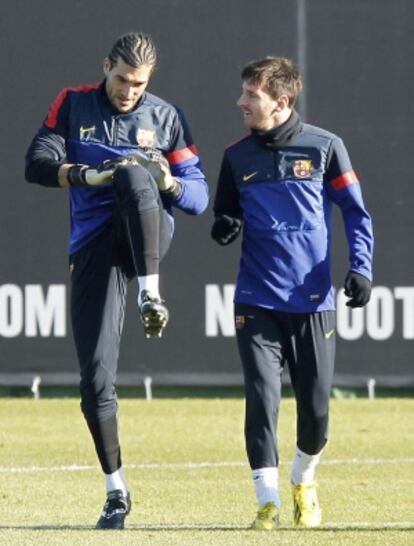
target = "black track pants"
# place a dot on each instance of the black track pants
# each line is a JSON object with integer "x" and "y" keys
{"x": 100, "y": 273}
{"x": 306, "y": 342}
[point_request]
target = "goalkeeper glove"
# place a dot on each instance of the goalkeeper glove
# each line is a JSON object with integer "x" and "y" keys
{"x": 82, "y": 175}
{"x": 358, "y": 288}
{"x": 159, "y": 168}
{"x": 225, "y": 229}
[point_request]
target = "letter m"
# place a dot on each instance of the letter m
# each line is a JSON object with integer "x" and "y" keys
{"x": 45, "y": 316}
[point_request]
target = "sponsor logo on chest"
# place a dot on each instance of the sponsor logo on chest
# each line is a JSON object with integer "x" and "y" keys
{"x": 86, "y": 133}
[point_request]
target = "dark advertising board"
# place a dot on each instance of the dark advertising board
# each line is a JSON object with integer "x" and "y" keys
{"x": 358, "y": 78}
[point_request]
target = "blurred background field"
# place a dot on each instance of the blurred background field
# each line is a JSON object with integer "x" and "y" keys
{"x": 188, "y": 475}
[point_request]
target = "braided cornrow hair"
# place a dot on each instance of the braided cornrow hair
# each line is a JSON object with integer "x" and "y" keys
{"x": 134, "y": 48}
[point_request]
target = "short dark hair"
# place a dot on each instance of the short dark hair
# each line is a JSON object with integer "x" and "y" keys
{"x": 276, "y": 76}
{"x": 134, "y": 48}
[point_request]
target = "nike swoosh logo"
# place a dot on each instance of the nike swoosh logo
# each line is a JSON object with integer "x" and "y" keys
{"x": 247, "y": 177}
{"x": 329, "y": 334}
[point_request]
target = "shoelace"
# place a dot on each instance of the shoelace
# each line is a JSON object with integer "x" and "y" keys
{"x": 117, "y": 503}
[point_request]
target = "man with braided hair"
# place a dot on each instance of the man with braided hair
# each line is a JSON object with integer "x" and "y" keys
{"x": 128, "y": 159}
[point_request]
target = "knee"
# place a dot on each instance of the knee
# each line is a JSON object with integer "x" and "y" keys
{"x": 135, "y": 188}
{"x": 98, "y": 396}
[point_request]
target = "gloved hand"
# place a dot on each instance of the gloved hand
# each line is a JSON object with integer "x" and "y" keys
{"x": 161, "y": 174}
{"x": 225, "y": 229}
{"x": 82, "y": 175}
{"x": 358, "y": 288}
{"x": 159, "y": 168}
{"x": 120, "y": 161}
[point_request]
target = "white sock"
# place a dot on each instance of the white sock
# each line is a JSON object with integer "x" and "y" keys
{"x": 303, "y": 467}
{"x": 266, "y": 483}
{"x": 116, "y": 480}
{"x": 150, "y": 283}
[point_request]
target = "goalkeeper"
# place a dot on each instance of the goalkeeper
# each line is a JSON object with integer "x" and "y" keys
{"x": 128, "y": 159}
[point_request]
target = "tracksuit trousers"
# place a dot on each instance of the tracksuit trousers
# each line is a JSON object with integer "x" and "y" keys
{"x": 138, "y": 236}
{"x": 306, "y": 343}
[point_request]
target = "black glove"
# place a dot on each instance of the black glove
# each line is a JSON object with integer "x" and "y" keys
{"x": 358, "y": 288}
{"x": 225, "y": 229}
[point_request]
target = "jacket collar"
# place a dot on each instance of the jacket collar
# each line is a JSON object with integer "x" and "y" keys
{"x": 280, "y": 136}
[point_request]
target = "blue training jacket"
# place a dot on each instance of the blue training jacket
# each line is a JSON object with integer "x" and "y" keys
{"x": 285, "y": 199}
{"x": 83, "y": 127}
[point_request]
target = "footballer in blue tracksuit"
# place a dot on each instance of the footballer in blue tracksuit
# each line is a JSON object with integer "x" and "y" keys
{"x": 128, "y": 159}
{"x": 277, "y": 185}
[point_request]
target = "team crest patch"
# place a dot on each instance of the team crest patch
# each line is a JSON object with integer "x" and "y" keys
{"x": 240, "y": 321}
{"x": 302, "y": 168}
{"x": 145, "y": 138}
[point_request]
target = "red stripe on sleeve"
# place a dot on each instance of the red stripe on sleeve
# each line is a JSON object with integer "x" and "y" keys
{"x": 52, "y": 117}
{"x": 344, "y": 180}
{"x": 182, "y": 155}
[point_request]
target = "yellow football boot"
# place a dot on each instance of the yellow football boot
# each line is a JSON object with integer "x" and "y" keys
{"x": 306, "y": 510}
{"x": 267, "y": 518}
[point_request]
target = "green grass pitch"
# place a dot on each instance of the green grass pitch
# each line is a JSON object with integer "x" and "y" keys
{"x": 190, "y": 483}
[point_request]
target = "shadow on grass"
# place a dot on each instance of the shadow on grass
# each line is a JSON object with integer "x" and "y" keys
{"x": 405, "y": 526}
